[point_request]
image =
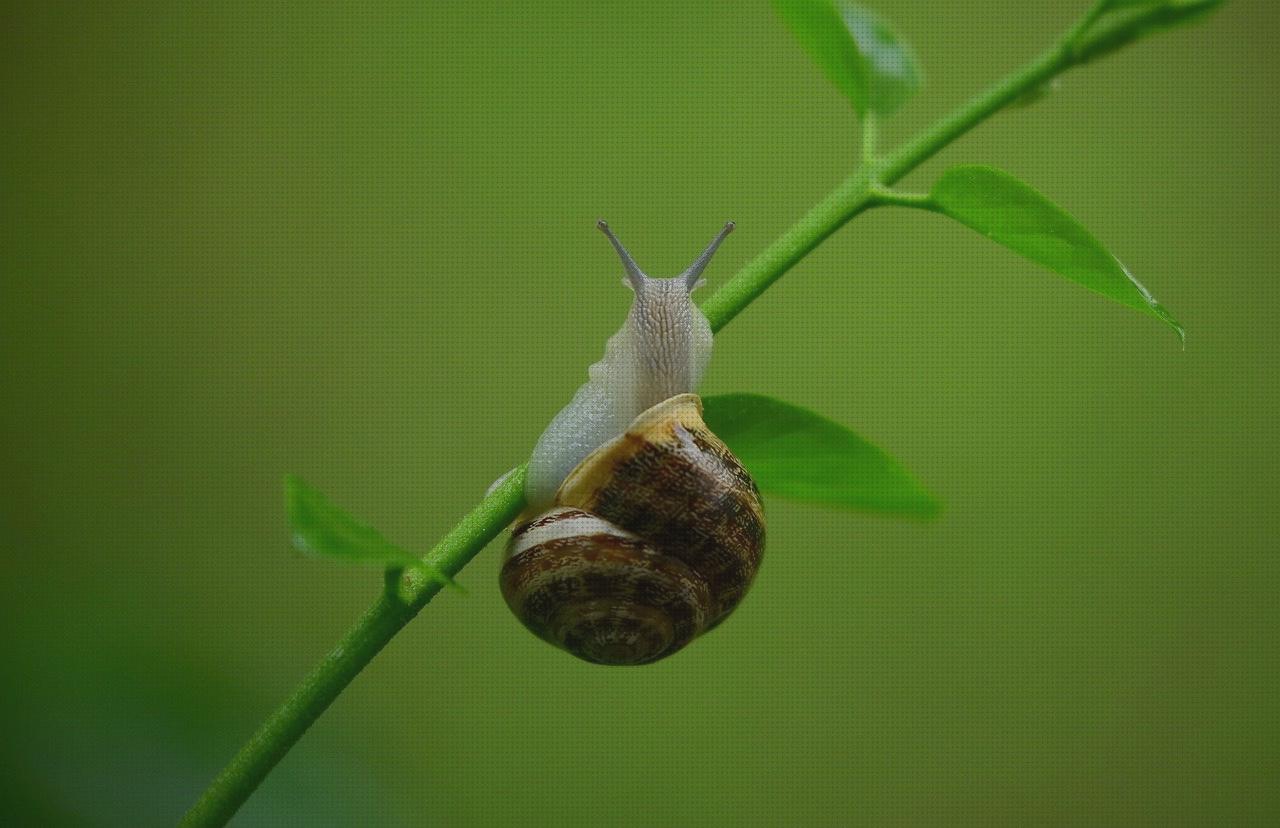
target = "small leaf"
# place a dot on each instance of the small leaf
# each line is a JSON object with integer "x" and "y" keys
{"x": 1009, "y": 212}
{"x": 795, "y": 453}
{"x": 1112, "y": 5}
{"x": 321, "y": 528}
{"x": 858, "y": 51}
{"x": 1128, "y": 20}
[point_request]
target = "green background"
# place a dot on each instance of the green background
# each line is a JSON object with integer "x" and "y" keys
{"x": 356, "y": 242}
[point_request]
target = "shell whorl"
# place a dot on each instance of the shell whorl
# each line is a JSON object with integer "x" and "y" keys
{"x": 652, "y": 540}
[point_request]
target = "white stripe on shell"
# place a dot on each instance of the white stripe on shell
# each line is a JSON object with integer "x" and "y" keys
{"x": 575, "y": 526}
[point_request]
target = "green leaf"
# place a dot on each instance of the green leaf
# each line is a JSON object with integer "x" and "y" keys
{"x": 1009, "y": 212}
{"x": 1112, "y": 5}
{"x": 321, "y": 528}
{"x": 1125, "y": 21}
{"x": 858, "y": 51}
{"x": 795, "y": 453}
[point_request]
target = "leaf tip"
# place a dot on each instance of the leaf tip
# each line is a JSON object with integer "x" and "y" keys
{"x": 930, "y": 507}
{"x": 299, "y": 542}
{"x": 918, "y": 504}
{"x": 294, "y": 508}
{"x": 294, "y": 491}
{"x": 1168, "y": 319}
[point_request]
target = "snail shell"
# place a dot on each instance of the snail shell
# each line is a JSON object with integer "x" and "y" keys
{"x": 652, "y": 540}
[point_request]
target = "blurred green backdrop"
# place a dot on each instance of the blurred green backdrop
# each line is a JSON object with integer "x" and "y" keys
{"x": 355, "y": 242}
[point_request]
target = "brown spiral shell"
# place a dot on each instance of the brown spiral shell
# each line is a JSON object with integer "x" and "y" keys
{"x": 652, "y": 540}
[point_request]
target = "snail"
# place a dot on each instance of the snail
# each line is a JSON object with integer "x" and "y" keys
{"x": 642, "y": 530}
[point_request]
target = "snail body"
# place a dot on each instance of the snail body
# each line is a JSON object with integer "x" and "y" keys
{"x": 643, "y": 530}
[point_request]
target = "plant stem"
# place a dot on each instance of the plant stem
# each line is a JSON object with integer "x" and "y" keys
{"x": 858, "y": 192}
{"x": 408, "y": 591}
{"x": 826, "y": 217}
{"x": 883, "y": 196}
{"x": 949, "y": 128}
{"x": 1086, "y": 20}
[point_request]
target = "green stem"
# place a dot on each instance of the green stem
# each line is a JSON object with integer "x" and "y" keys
{"x": 409, "y": 591}
{"x": 883, "y": 196}
{"x": 405, "y": 596}
{"x": 825, "y": 218}
{"x": 858, "y": 192}
{"x": 1090, "y": 17}
{"x": 949, "y": 128}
